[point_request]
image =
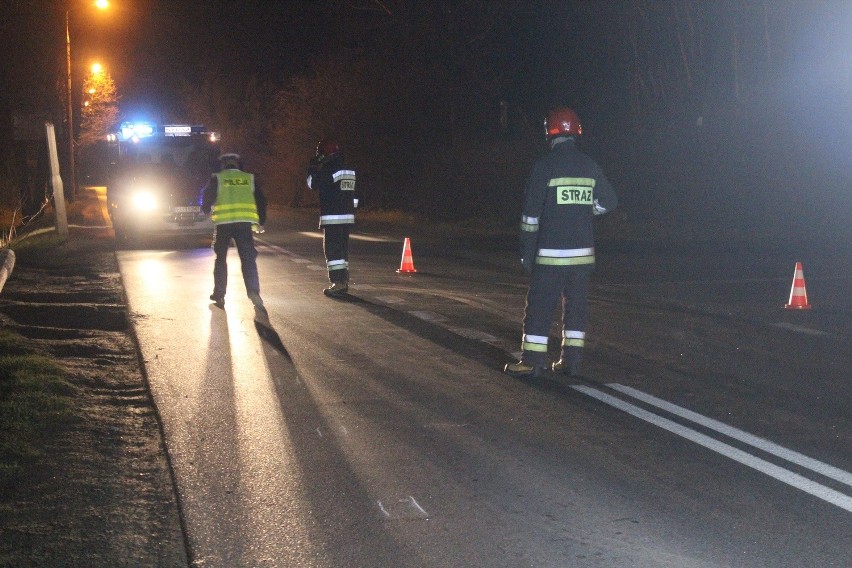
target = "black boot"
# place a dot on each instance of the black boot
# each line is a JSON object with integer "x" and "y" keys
{"x": 523, "y": 370}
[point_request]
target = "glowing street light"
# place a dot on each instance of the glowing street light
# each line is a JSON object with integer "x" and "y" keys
{"x": 101, "y": 5}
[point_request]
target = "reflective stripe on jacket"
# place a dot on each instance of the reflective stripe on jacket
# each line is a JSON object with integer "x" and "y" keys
{"x": 565, "y": 190}
{"x": 335, "y": 184}
{"x": 235, "y": 201}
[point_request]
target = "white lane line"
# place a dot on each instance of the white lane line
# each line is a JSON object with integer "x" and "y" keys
{"x": 276, "y": 248}
{"x": 769, "y": 447}
{"x": 370, "y": 239}
{"x": 469, "y": 333}
{"x": 785, "y": 476}
{"x": 800, "y": 329}
{"x": 353, "y": 236}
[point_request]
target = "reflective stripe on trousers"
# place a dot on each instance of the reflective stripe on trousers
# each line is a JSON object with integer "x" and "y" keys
{"x": 549, "y": 284}
{"x": 336, "y": 248}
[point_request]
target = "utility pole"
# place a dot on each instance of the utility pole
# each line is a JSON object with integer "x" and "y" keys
{"x": 73, "y": 176}
{"x": 56, "y": 181}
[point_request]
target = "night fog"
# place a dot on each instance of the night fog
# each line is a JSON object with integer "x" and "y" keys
{"x": 713, "y": 119}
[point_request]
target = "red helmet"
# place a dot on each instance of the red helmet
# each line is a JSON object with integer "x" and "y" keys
{"x": 562, "y": 121}
{"x": 327, "y": 147}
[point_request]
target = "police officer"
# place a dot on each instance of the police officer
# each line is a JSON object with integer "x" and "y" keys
{"x": 565, "y": 190}
{"x": 238, "y": 206}
{"x": 335, "y": 184}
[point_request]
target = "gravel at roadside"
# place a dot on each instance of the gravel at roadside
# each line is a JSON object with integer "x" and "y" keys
{"x": 101, "y": 493}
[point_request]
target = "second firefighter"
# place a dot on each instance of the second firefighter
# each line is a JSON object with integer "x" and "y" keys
{"x": 565, "y": 190}
{"x": 335, "y": 183}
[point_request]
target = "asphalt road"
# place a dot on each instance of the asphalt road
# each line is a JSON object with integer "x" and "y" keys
{"x": 711, "y": 426}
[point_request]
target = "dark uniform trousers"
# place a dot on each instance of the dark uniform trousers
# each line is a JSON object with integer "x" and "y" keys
{"x": 244, "y": 239}
{"x": 336, "y": 247}
{"x": 547, "y": 285}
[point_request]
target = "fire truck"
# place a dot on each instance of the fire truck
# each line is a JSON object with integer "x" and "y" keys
{"x": 158, "y": 174}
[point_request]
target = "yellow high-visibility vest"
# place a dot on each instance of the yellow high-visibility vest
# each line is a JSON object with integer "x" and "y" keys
{"x": 235, "y": 198}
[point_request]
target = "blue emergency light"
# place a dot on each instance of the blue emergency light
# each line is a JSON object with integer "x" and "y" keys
{"x": 136, "y": 130}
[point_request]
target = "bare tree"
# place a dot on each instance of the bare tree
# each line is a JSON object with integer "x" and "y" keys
{"x": 100, "y": 108}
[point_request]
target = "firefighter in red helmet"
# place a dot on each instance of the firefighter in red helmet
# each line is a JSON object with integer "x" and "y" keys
{"x": 335, "y": 183}
{"x": 565, "y": 190}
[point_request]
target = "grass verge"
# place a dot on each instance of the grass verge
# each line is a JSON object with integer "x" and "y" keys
{"x": 35, "y": 403}
{"x": 35, "y": 244}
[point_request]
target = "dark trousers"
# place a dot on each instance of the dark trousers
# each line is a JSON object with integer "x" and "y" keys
{"x": 242, "y": 236}
{"x": 547, "y": 285}
{"x": 335, "y": 245}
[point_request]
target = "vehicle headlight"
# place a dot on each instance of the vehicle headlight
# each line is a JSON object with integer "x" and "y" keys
{"x": 144, "y": 200}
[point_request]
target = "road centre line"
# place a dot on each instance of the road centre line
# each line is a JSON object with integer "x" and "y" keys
{"x": 769, "y": 447}
{"x": 785, "y": 476}
{"x": 353, "y": 236}
{"x": 276, "y": 248}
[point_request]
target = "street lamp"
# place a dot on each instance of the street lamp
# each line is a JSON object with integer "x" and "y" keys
{"x": 101, "y": 5}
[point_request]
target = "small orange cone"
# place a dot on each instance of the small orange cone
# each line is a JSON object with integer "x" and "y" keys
{"x": 798, "y": 295}
{"x": 407, "y": 264}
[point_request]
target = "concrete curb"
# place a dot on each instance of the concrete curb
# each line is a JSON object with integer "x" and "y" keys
{"x": 7, "y": 263}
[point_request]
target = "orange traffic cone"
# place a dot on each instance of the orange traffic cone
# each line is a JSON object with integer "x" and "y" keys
{"x": 407, "y": 264}
{"x": 798, "y": 295}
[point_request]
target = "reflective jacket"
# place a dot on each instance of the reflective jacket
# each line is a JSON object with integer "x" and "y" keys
{"x": 335, "y": 184}
{"x": 565, "y": 190}
{"x": 234, "y": 197}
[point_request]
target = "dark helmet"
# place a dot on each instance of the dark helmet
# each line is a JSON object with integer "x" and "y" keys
{"x": 327, "y": 148}
{"x": 230, "y": 161}
{"x": 562, "y": 121}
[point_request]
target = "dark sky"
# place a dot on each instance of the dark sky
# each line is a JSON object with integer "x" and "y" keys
{"x": 151, "y": 46}
{"x": 156, "y": 45}
{"x": 796, "y": 96}
{"x": 549, "y": 46}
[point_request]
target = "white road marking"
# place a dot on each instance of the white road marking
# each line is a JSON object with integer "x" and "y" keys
{"x": 472, "y": 334}
{"x": 418, "y": 507}
{"x": 427, "y": 315}
{"x": 800, "y": 329}
{"x": 276, "y": 248}
{"x": 785, "y": 476}
{"x": 370, "y": 239}
{"x": 353, "y": 236}
{"x": 390, "y": 299}
{"x": 382, "y": 509}
{"x": 769, "y": 447}
{"x": 404, "y": 508}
